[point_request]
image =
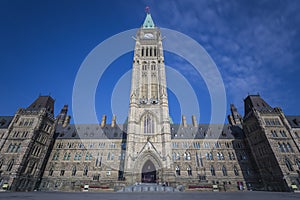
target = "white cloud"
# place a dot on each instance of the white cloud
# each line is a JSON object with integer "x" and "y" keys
{"x": 251, "y": 44}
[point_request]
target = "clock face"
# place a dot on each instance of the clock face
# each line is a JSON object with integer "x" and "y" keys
{"x": 148, "y": 36}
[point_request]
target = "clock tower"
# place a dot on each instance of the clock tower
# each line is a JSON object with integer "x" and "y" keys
{"x": 148, "y": 149}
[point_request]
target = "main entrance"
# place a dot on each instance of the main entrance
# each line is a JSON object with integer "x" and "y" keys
{"x": 148, "y": 173}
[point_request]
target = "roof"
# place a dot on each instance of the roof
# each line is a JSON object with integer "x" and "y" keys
{"x": 5, "y": 121}
{"x": 95, "y": 131}
{"x": 294, "y": 121}
{"x": 206, "y": 131}
{"x": 42, "y": 102}
{"x": 256, "y": 102}
{"x": 91, "y": 131}
{"x": 148, "y": 23}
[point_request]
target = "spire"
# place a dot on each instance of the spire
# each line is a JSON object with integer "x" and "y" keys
{"x": 148, "y": 23}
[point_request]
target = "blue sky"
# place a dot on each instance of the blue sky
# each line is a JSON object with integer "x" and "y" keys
{"x": 255, "y": 45}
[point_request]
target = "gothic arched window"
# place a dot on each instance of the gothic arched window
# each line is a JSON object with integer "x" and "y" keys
{"x": 85, "y": 171}
{"x": 1, "y": 163}
{"x": 211, "y": 156}
{"x": 189, "y": 170}
{"x": 148, "y": 124}
{"x": 65, "y": 156}
{"x": 10, "y": 165}
{"x": 177, "y": 170}
{"x": 188, "y": 156}
{"x": 280, "y": 147}
{"x": 51, "y": 171}
{"x": 178, "y": 156}
{"x": 74, "y": 170}
{"x": 297, "y": 161}
{"x": 212, "y": 170}
{"x": 236, "y": 171}
{"x": 224, "y": 170}
{"x": 185, "y": 156}
{"x": 174, "y": 156}
{"x": 288, "y": 164}
{"x": 218, "y": 155}
{"x": 290, "y": 147}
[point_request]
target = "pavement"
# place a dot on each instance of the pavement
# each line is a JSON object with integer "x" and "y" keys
{"x": 249, "y": 195}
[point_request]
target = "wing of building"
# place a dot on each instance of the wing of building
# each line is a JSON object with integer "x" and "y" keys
{"x": 259, "y": 151}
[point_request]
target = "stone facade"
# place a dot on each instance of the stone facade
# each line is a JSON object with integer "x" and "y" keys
{"x": 259, "y": 151}
{"x": 25, "y": 144}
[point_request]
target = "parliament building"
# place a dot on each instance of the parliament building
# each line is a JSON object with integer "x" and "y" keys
{"x": 43, "y": 151}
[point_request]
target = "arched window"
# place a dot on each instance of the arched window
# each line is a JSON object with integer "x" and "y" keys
{"x": 69, "y": 156}
{"x": 233, "y": 156}
{"x": 151, "y": 51}
{"x": 285, "y": 149}
{"x": 188, "y": 156}
{"x": 275, "y": 134}
{"x": 18, "y": 148}
{"x": 211, "y": 156}
{"x": 222, "y": 156}
{"x": 197, "y": 159}
{"x": 185, "y": 156}
{"x": 297, "y": 161}
{"x": 112, "y": 156}
{"x": 174, "y": 156}
{"x": 1, "y": 163}
{"x": 280, "y": 147}
{"x": 236, "y": 171}
{"x": 148, "y": 124}
{"x": 143, "y": 51}
{"x": 74, "y": 170}
{"x": 218, "y": 155}
{"x": 155, "y": 53}
{"x": 189, "y": 171}
{"x": 177, "y": 170}
{"x": 178, "y": 156}
{"x": 282, "y": 133}
{"x": 290, "y": 147}
{"x": 65, "y": 156}
{"x": 224, "y": 170}
{"x": 288, "y": 164}
{"x": 85, "y": 171}
{"x": 229, "y": 156}
{"x": 207, "y": 156}
{"x": 212, "y": 170}
{"x": 51, "y": 171}
{"x": 147, "y": 51}
{"x": 108, "y": 156}
{"x": 9, "y": 148}
{"x": 10, "y": 165}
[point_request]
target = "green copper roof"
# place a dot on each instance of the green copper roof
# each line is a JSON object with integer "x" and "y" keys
{"x": 148, "y": 23}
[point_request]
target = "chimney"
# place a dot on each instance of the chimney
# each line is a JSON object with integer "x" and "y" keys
{"x": 103, "y": 122}
{"x": 194, "y": 120}
{"x": 113, "y": 123}
{"x": 184, "y": 121}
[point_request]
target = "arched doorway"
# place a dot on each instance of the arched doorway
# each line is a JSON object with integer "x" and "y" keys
{"x": 148, "y": 172}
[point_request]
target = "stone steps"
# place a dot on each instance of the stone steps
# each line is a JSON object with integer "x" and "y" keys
{"x": 148, "y": 187}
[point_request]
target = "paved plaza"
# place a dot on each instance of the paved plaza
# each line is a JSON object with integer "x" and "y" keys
{"x": 150, "y": 196}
